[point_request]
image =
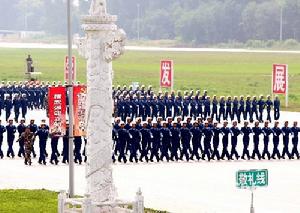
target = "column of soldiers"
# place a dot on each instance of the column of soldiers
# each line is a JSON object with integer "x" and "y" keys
{"x": 144, "y": 103}
{"x": 186, "y": 140}
{"x": 26, "y": 137}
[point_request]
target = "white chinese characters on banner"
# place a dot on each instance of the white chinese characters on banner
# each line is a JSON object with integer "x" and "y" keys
{"x": 280, "y": 79}
{"x": 166, "y": 73}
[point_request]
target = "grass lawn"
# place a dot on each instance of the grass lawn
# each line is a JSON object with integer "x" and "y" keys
{"x": 219, "y": 73}
{"x": 33, "y": 201}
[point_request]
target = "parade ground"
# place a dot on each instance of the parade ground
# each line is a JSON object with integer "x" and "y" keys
{"x": 207, "y": 187}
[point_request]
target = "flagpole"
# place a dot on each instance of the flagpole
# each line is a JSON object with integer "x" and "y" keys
{"x": 70, "y": 98}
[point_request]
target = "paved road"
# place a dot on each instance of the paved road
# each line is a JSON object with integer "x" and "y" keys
{"x": 177, "y": 187}
{"x": 138, "y": 48}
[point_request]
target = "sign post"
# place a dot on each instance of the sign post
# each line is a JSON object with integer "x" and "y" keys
{"x": 166, "y": 74}
{"x": 280, "y": 83}
{"x": 251, "y": 179}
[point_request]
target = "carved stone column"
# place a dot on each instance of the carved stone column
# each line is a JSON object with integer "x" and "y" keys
{"x": 103, "y": 43}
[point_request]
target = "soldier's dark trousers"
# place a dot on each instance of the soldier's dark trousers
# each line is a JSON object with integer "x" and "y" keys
{"x": 234, "y": 152}
{"x": 133, "y": 154}
{"x": 122, "y": 155}
{"x": 221, "y": 113}
{"x": 174, "y": 150}
{"x": 1, "y": 152}
{"x": 21, "y": 151}
{"x": 164, "y": 153}
{"x": 78, "y": 157}
{"x": 276, "y": 114}
{"x": 260, "y": 115}
{"x": 295, "y": 148}
{"x": 10, "y": 148}
{"x": 184, "y": 152}
{"x": 144, "y": 153}
{"x": 286, "y": 151}
{"x": 42, "y": 157}
{"x": 275, "y": 150}
{"x": 54, "y": 152}
{"x": 256, "y": 151}
{"x": 245, "y": 150}
{"x": 206, "y": 152}
{"x": 256, "y": 115}
{"x": 195, "y": 152}
{"x": 266, "y": 152}
{"x": 154, "y": 153}
{"x": 214, "y": 113}
{"x": 225, "y": 152}
{"x": 65, "y": 151}
{"x": 228, "y": 114}
{"x": 269, "y": 115}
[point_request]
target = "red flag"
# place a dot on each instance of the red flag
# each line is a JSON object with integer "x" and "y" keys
{"x": 57, "y": 110}
{"x": 166, "y": 73}
{"x": 79, "y": 100}
{"x": 280, "y": 78}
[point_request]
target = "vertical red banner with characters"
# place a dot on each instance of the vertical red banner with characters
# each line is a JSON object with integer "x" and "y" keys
{"x": 79, "y": 100}
{"x": 67, "y": 68}
{"x": 166, "y": 73}
{"x": 280, "y": 78}
{"x": 57, "y": 110}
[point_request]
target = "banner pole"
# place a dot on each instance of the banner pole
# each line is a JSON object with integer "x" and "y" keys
{"x": 70, "y": 98}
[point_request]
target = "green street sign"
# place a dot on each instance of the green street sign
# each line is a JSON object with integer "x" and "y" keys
{"x": 251, "y": 178}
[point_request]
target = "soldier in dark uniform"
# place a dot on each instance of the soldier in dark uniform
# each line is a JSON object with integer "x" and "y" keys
{"x": 222, "y": 108}
{"x": 207, "y": 107}
{"x": 254, "y": 109}
{"x": 261, "y": 106}
{"x": 185, "y": 141}
{"x": 235, "y": 108}
{"x": 77, "y": 149}
{"x": 7, "y": 107}
{"x": 175, "y": 141}
{"x": 43, "y": 134}
{"x": 134, "y": 142}
{"x": 276, "y": 108}
{"x": 286, "y": 131}
{"x": 295, "y": 130}
{"x": 11, "y": 130}
{"x": 17, "y": 105}
{"x": 145, "y": 142}
{"x": 208, "y": 134}
{"x": 276, "y": 133}
{"x": 2, "y": 130}
{"x": 214, "y": 108}
{"x": 24, "y": 105}
{"x": 166, "y": 142}
{"x": 156, "y": 142}
{"x": 123, "y": 138}
{"x": 54, "y": 151}
{"x": 256, "y": 132}
{"x": 267, "y": 131}
{"x": 228, "y": 113}
{"x": 269, "y": 104}
{"x": 185, "y": 107}
{"x": 21, "y": 128}
{"x": 248, "y": 108}
{"x": 27, "y": 137}
{"x": 241, "y": 109}
{"x": 246, "y": 131}
{"x": 234, "y": 140}
{"x": 225, "y": 132}
{"x": 65, "y": 152}
{"x": 196, "y": 140}
{"x": 216, "y": 141}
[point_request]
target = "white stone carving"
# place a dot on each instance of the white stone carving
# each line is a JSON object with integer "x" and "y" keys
{"x": 103, "y": 43}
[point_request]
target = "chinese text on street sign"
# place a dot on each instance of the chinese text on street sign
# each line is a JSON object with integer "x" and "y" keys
{"x": 252, "y": 178}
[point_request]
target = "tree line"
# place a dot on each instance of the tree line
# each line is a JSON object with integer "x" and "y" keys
{"x": 192, "y": 21}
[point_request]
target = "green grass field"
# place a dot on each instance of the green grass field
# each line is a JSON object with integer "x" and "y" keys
{"x": 33, "y": 201}
{"x": 219, "y": 73}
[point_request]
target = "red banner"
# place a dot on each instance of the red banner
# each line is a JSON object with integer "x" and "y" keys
{"x": 166, "y": 73}
{"x": 79, "y": 100}
{"x": 67, "y": 68}
{"x": 280, "y": 78}
{"x": 57, "y": 110}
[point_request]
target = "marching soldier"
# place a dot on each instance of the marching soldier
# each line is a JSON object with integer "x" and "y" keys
{"x": 54, "y": 151}
{"x": 276, "y": 108}
{"x": 248, "y": 108}
{"x": 241, "y": 109}
{"x": 256, "y": 132}
{"x": 21, "y": 128}
{"x": 185, "y": 141}
{"x": 246, "y": 131}
{"x": 214, "y": 108}
{"x": 295, "y": 130}
{"x": 43, "y": 134}
{"x": 286, "y": 131}
{"x": 146, "y": 142}
{"x": 27, "y": 137}
{"x": 123, "y": 138}
{"x": 261, "y": 106}
{"x": 208, "y": 134}
{"x": 207, "y": 107}
{"x": 216, "y": 141}
{"x": 276, "y": 133}
{"x": 267, "y": 131}
{"x": 175, "y": 144}
{"x": 235, "y": 108}
{"x": 33, "y": 128}
{"x": 11, "y": 130}
{"x": 225, "y": 132}
{"x": 166, "y": 142}
{"x": 254, "y": 109}
{"x": 156, "y": 142}
{"x": 77, "y": 148}
{"x": 196, "y": 140}
{"x": 134, "y": 142}
{"x": 2, "y": 130}
{"x": 222, "y": 108}
{"x": 269, "y": 105}
{"x": 234, "y": 139}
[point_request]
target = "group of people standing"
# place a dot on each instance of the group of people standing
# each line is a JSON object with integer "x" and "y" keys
{"x": 26, "y": 138}
{"x": 178, "y": 140}
{"x": 145, "y": 103}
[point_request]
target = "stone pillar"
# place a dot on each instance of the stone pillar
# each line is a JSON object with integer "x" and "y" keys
{"x": 103, "y": 43}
